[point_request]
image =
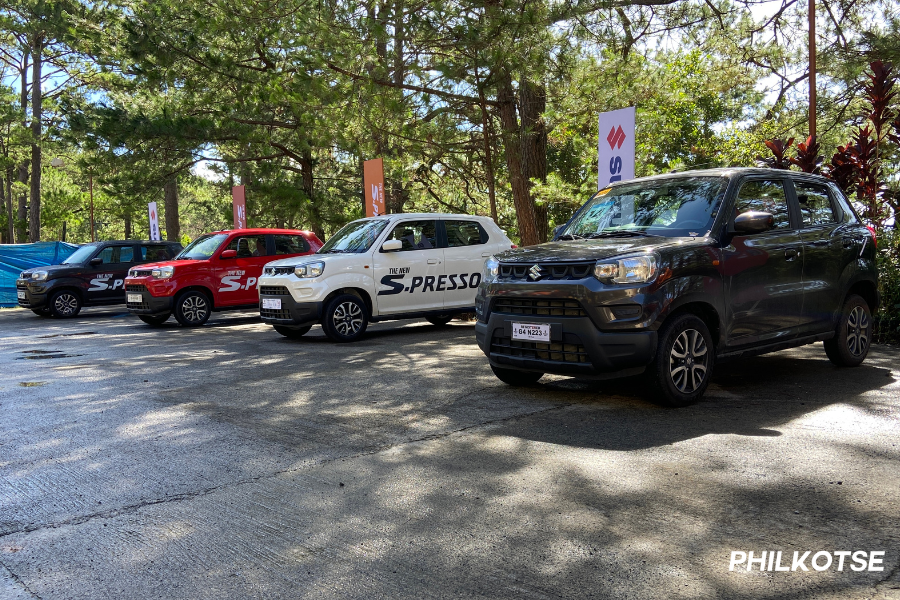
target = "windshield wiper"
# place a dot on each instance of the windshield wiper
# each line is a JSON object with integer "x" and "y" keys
{"x": 621, "y": 233}
{"x": 570, "y": 236}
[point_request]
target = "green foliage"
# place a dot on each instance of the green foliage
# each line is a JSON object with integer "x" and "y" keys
{"x": 887, "y": 320}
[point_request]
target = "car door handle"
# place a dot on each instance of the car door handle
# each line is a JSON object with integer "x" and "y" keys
{"x": 849, "y": 242}
{"x": 433, "y": 261}
{"x": 820, "y": 243}
{"x": 791, "y": 253}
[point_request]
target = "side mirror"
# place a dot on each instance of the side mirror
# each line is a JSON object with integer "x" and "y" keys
{"x": 557, "y": 230}
{"x": 228, "y": 254}
{"x": 96, "y": 262}
{"x": 754, "y": 222}
{"x": 392, "y": 246}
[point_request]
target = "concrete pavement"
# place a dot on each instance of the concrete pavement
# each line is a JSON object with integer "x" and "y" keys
{"x": 229, "y": 462}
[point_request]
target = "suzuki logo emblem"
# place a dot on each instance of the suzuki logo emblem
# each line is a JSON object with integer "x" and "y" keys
{"x": 616, "y": 137}
{"x": 534, "y": 273}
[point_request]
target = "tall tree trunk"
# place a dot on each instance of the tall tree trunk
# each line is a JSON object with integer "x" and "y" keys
{"x": 3, "y": 234}
{"x": 21, "y": 214}
{"x": 37, "y": 99}
{"x": 128, "y": 225}
{"x": 11, "y": 225}
{"x": 173, "y": 226}
{"x": 307, "y": 183}
{"x": 488, "y": 155}
{"x": 525, "y": 215}
{"x": 533, "y": 103}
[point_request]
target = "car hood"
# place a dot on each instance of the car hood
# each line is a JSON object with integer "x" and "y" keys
{"x": 584, "y": 250}
{"x": 52, "y": 270}
{"x": 329, "y": 259}
{"x": 169, "y": 263}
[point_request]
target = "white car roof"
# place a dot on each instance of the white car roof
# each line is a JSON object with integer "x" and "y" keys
{"x": 396, "y": 216}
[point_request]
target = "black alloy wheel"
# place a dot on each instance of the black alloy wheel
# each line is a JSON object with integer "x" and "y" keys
{"x": 439, "y": 320}
{"x": 292, "y": 332}
{"x": 345, "y": 318}
{"x": 681, "y": 370}
{"x": 65, "y": 304}
{"x": 192, "y": 309}
{"x": 154, "y": 320}
{"x": 515, "y": 377}
{"x": 850, "y": 344}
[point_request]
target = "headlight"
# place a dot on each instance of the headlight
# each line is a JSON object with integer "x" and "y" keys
{"x": 39, "y": 275}
{"x": 162, "y": 272}
{"x": 309, "y": 270}
{"x": 491, "y": 269}
{"x": 632, "y": 269}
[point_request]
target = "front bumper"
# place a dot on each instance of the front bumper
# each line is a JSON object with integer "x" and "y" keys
{"x": 594, "y": 331}
{"x": 289, "y": 312}
{"x": 149, "y": 304}
{"x": 32, "y": 295}
{"x": 576, "y": 346}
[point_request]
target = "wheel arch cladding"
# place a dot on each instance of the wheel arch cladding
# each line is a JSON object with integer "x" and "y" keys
{"x": 198, "y": 288}
{"x": 704, "y": 311}
{"x": 867, "y": 290}
{"x": 362, "y": 294}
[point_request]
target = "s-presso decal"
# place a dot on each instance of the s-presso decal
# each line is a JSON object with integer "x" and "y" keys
{"x": 455, "y": 281}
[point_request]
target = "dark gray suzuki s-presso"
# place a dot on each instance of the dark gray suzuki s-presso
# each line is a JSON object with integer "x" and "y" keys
{"x": 672, "y": 274}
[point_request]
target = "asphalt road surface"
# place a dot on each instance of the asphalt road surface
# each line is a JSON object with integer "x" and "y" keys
{"x": 229, "y": 462}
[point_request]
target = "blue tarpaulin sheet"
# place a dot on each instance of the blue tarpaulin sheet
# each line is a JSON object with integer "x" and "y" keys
{"x": 15, "y": 258}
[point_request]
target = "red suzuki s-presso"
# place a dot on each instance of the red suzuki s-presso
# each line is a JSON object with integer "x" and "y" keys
{"x": 217, "y": 271}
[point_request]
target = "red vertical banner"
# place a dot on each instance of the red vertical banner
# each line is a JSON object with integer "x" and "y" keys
{"x": 373, "y": 182}
{"x": 239, "y": 203}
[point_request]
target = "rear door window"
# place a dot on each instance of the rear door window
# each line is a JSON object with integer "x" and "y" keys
{"x": 154, "y": 253}
{"x": 815, "y": 204}
{"x": 464, "y": 233}
{"x": 290, "y": 244}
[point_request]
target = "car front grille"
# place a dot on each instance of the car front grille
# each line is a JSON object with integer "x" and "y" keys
{"x": 554, "y": 352}
{"x": 271, "y": 313}
{"x": 545, "y": 271}
{"x": 23, "y": 302}
{"x": 273, "y": 290}
{"x": 537, "y": 306}
{"x": 142, "y": 305}
{"x": 140, "y": 273}
{"x": 278, "y": 270}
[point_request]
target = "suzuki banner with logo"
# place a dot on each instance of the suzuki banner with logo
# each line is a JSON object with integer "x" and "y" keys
{"x": 616, "y": 149}
{"x": 154, "y": 222}
{"x": 373, "y": 182}
{"x": 239, "y": 203}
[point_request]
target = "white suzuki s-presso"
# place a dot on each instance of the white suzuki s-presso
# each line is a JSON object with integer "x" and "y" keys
{"x": 396, "y": 266}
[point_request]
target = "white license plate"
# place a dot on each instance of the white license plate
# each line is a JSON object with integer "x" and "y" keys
{"x": 20, "y": 294}
{"x": 135, "y": 298}
{"x": 531, "y": 332}
{"x": 274, "y": 303}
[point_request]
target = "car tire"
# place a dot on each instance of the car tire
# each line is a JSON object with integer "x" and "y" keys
{"x": 439, "y": 320}
{"x": 852, "y": 338}
{"x": 683, "y": 365}
{"x": 154, "y": 320}
{"x": 292, "y": 332}
{"x": 41, "y": 312}
{"x": 516, "y": 378}
{"x": 192, "y": 309}
{"x": 345, "y": 318}
{"x": 65, "y": 304}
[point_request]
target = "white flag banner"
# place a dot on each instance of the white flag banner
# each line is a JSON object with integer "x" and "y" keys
{"x": 615, "y": 154}
{"x": 154, "y": 222}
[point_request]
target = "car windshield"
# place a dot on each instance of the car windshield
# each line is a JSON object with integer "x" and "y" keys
{"x": 203, "y": 247}
{"x": 679, "y": 207}
{"x": 354, "y": 238}
{"x": 80, "y": 256}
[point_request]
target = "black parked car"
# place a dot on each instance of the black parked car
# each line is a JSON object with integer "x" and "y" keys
{"x": 675, "y": 273}
{"x": 94, "y": 275}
